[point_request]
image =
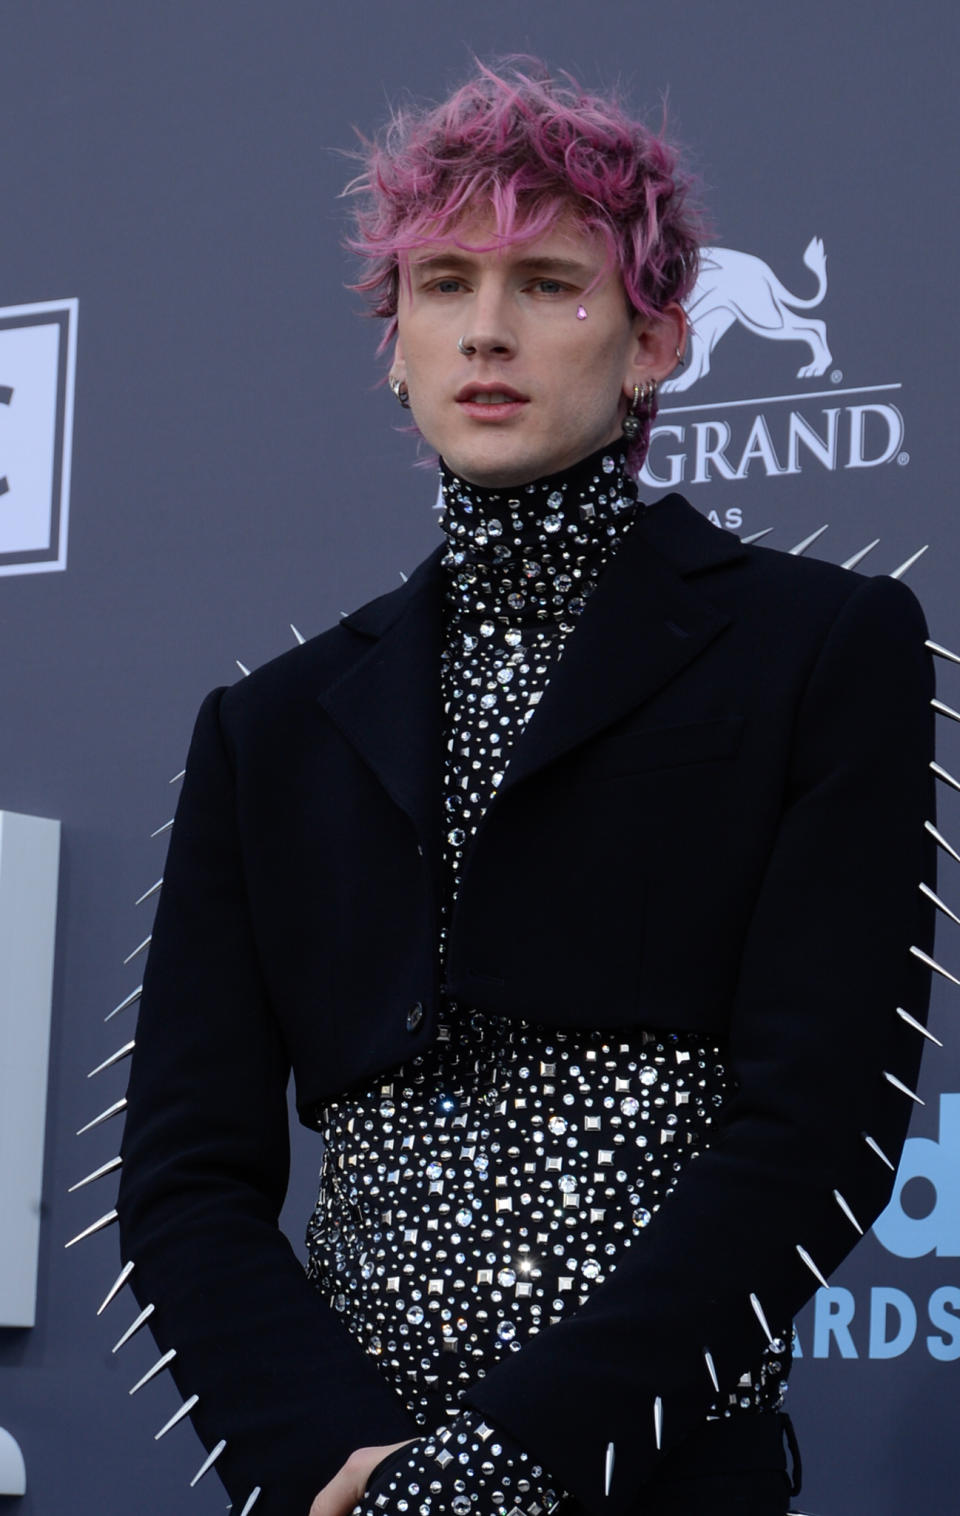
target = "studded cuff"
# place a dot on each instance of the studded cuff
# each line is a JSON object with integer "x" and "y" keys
{"x": 465, "y": 1468}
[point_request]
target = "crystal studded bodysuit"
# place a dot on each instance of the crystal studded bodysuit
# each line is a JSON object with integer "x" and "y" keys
{"x": 481, "y": 1191}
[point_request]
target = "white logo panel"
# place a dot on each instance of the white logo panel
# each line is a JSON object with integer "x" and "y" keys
{"x": 37, "y": 366}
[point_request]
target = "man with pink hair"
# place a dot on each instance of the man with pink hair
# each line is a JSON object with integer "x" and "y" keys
{"x": 590, "y": 851}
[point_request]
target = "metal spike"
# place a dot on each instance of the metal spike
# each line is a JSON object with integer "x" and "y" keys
{"x": 242, "y": 667}
{"x": 151, "y": 891}
{"x": 112, "y": 1110}
{"x": 945, "y": 710}
{"x": 208, "y": 1462}
{"x": 301, "y": 639}
{"x": 105, "y": 1168}
{"x": 875, "y": 1147}
{"x": 918, "y": 1026}
{"x": 755, "y": 536}
{"x": 165, "y": 828}
{"x": 801, "y": 547}
{"x": 133, "y": 996}
{"x": 658, "y": 1422}
{"x": 252, "y": 1499}
{"x": 711, "y": 1369}
{"x": 134, "y": 1326}
{"x": 933, "y": 964}
{"x": 403, "y": 576}
{"x": 177, "y": 777}
{"x": 758, "y": 1312}
{"x": 107, "y": 1063}
{"x": 344, "y": 613}
{"x": 847, "y": 1212}
{"x": 158, "y": 1367}
{"x": 926, "y": 890}
{"x": 941, "y": 841}
{"x": 116, "y": 1287}
{"x": 608, "y": 1468}
{"x": 96, "y": 1226}
{"x": 941, "y": 651}
{"x": 859, "y": 557}
{"x": 805, "y": 1256}
{"x": 899, "y": 1085}
{"x": 184, "y": 1410}
{"x": 139, "y": 949}
{"x": 899, "y": 572}
{"x": 941, "y": 773}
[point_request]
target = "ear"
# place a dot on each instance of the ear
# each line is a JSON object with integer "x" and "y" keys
{"x": 398, "y": 367}
{"x": 657, "y": 340}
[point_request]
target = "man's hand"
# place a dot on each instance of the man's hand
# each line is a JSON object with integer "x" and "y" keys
{"x": 346, "y": 1487}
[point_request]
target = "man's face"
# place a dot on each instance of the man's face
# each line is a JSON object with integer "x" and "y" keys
{"x": 544, "y": 387}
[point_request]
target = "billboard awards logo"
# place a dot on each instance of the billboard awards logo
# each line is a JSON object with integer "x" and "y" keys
{"x": 38, "y": 345}
{"x": 826, "y": 428}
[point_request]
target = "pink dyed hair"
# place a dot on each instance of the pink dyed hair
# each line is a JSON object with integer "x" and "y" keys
{"x": 532, "y": 147}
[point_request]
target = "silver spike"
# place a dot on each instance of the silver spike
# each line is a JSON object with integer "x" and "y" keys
{"x": 134, "y": 1326}
{"x": 945, "y": 710}
{"x": 301, "y": 639}
{"x": 105, "y": 1168}
{"x": 252, "y": 1499}
{"x": 805, "y": 1256}
{"x": 847, "y": 1212}
{"x": 899, "y": 572}
{"x": 184, "y": 1410}
{"x": 116, "y": 1287}
{"x": 243, "y": 668}
{"x": 112, "y": 1110}
{"x": 343, "y": 614}
{"x": 96, "y": 1226}
{"x": 875, "y": 1147}
{"x": 608, "y": 1468}
{"x": 859, "y": 557}
{"x": 158, "y": 1367}
{"x": 151, "y": 891}
{"x": 165, "y": 828}
{"x": 208, "y": 1462}
{"x": 139, "y": 949}
{"x": 918, "y": 1026}
{"x": 933, "y": 964}
{"x": 758, "y": 1312}
{"x": 711, "y": 1369}
{"x": 755, "y": 536}
{"x": 801, "y": 547}
{"x": 116, "y": 1057}
{"x": 403, "y": 576}
{"x": 941, "y": 773}
{"x": 941, "y": 841}
{"x": 899, "y": 1085}
{"x": 942, "y": 652}
{"x": 177, "y": 777}
{"x": 133, "y": 996}
{"x": 926, "y": 890}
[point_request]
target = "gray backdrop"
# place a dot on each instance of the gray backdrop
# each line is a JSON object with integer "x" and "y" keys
{"x": 175, "y": 169}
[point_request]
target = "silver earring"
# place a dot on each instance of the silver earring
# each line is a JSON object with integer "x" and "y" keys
{"x": 641, "y": 400}
{"x": 400, "y": 392}
{"x": 464, "y": 347}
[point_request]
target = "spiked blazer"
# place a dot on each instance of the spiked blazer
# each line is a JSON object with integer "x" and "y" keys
{"x": 715, "y": 820}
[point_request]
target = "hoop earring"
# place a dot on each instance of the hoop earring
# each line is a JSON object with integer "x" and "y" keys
{"x": 400, "y": 392}
{"x": 641, "y": 400}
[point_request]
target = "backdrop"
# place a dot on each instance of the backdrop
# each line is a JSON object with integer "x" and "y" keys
{"x": 169, "y": 182}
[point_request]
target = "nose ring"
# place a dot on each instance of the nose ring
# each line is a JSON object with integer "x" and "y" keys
{"x": 465, "y": 348}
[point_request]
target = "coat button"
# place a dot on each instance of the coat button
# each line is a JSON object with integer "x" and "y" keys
{"x": 414, "y": 1017}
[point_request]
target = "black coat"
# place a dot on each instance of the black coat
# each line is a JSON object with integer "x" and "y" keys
{"x": 714, "y": 821}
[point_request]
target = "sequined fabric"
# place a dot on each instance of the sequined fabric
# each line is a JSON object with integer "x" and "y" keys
{"x": 480, "y": 1191}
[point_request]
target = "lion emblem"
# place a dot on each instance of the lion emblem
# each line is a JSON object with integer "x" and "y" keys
{"x": 735, "y": 286}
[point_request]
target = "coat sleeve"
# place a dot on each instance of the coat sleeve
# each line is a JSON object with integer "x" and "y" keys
{"x": 205, "y": 1168}
{"x": 814, "y": 1034}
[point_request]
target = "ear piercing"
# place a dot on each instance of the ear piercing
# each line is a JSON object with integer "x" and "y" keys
{"x": 400, "y": 391}
{"x": 642, "y": 398}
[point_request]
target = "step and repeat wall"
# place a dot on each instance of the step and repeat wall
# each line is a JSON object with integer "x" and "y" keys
{"x": 195, "y": 453}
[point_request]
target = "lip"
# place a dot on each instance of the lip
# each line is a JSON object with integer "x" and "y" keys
{"x": 470, "y": 403}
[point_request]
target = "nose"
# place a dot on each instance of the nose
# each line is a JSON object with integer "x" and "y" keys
{"x": 490, "y": 332}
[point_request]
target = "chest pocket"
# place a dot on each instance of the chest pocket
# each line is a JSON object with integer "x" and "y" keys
{"x": 663, "y": 747}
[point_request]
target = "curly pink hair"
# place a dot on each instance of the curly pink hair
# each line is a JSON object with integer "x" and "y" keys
{"x": 532, "y": 147}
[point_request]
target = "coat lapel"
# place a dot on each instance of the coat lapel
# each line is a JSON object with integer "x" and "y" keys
{"x": 641, "y": 626}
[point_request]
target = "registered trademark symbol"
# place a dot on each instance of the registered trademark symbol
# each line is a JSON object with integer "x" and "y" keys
{"x": 903, "y": 459}
{"x": 836, "y": 376}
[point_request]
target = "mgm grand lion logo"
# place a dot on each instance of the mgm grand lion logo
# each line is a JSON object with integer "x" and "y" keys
{"x": 738, "y": 287}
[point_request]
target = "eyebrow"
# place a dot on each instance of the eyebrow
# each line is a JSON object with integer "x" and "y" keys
{"x": 570, "y": 267}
